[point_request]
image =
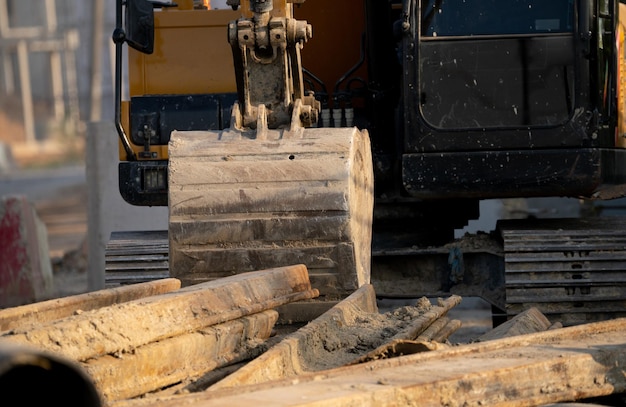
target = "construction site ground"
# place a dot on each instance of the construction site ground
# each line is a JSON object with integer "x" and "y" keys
{"x": 60, "y": 196}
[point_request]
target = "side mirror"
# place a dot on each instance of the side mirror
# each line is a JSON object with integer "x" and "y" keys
{"x": 140, "y": 25}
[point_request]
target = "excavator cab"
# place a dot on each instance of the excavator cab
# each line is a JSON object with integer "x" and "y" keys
{"x": 511, "y": 99}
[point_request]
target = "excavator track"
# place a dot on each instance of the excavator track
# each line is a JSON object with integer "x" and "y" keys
{"x": 573, "y": 270}
{"x": 136, "y": 257}
{"x": 239, "y": 204}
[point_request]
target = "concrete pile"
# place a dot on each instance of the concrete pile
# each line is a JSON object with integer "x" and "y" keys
{"x": 142, "y": 345}
{"x": 240, "y": 340}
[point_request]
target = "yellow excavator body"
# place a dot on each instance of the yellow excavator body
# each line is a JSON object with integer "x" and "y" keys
{"x": 357, "y": 137}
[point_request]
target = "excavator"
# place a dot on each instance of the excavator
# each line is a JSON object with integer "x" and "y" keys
{"x": 355, "y": 137}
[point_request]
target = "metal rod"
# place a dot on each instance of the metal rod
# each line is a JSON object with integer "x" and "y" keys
{"x": 118, "y": 38}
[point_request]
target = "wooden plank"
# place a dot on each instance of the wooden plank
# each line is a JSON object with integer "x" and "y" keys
{"x": 527, "y": 322}
{"x": 320, "y": 279}
{"x": 451, "y": 327}
{"x": 528, "y": 370}
{"x": 434, "y": 329}
{"x": 46, "y": 311}
{"x": 287, "y": 358}
{"x": 181, "y": 358}
{"x": 122, "y": 327}
{"x": 420, "y": 324}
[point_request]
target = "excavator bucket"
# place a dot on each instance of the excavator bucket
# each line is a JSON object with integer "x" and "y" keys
{"x": 240, "y": 204}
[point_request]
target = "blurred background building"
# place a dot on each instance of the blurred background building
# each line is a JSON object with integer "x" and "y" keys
{"x": 56, "y": 65}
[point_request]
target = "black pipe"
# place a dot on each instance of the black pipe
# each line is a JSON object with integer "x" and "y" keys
{"x": 29, "y": 377}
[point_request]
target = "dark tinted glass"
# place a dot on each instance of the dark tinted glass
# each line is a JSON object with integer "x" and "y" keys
{"x": 495, "y": 17}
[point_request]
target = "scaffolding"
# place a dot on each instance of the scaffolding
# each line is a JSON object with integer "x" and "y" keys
{"x": 19, "y": 43}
